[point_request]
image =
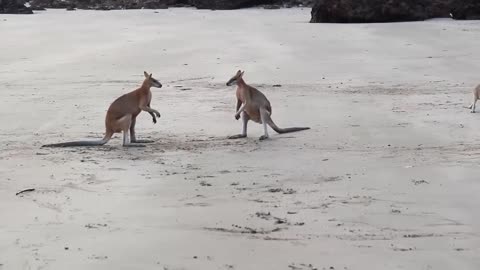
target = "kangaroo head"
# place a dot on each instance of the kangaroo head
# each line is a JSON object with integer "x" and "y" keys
{"x": 150, "y": 81}
{"x": 235, "y": 78}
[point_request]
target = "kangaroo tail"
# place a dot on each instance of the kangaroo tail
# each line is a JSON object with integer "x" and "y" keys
{"x": 103, "y": 141}
{"x": 283, "y": 130}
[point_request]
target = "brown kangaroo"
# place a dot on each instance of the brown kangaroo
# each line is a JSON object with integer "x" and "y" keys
{"x": 253, "y": 105}
{"x": 122, "y": 115}
{"x": 476, "y": 96}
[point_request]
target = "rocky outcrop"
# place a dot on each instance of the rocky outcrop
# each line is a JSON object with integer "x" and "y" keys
{"x": 235, "y": 4}
{"x": 364, "y": 11}
{"x": 105, "y": 4}
{"x": 160, "y": 4}
{"x": 439, "y": 8}
{"x": 224, "y": 4}
{"x": 14, "y": 7}
{"x": 42, "y": 4}
{"x": 466, "y": 9}
{"x": 367, "y": 11}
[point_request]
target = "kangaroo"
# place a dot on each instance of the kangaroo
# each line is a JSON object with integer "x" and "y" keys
{"x": 476, "y": 96}
{"x": 253, "y": 105}
{"x": 122, "y": 114}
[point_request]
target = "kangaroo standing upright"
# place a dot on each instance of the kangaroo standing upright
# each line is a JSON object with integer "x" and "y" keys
{"x": 122, "y": 114}
{"x": 476, "y": 96}
{"x": 253, "y": 105}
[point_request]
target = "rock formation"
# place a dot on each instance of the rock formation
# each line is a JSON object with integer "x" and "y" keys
{"x": 369, "y": 11}
{"x": 14, "y": 7}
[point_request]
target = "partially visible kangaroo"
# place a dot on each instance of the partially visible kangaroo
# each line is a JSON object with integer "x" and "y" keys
{"x": 253, "y": 105}
{"x": 476, "y": 96}
{"x": 122, "y": 115}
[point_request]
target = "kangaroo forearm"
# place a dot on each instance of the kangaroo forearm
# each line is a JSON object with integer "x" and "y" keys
{"x": 150, "y": 110}
{"x": 147, "y": 109}
{"x": 239, "y": 103}
{"x": 240, "y": 110}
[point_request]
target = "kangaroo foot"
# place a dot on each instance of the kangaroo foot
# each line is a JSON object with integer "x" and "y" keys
{"x": 263, "y": 137}
{"x": 143, "y": 141}
{"x": 239, "y": 136}
{"x": 133, "y": 145}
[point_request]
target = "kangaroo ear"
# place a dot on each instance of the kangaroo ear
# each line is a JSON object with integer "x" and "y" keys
{"x": 145, "y": 74}
{"x": 241, "y": 74}
{"x": 238, "y": 72}
{"x": 150, "y": 76}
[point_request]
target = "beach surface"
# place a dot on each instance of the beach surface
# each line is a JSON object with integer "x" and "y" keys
{"x": 388, "y": 177}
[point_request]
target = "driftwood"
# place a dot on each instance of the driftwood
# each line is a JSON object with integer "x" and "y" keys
{"x": 24, "y": 191}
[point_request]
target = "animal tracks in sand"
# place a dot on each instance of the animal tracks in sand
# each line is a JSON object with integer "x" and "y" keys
{"x": 98, "y": 257}
{"x": 164, "y": 143}
{"x": 95, "y": 225}
{"x": 49, "y": 198}
{"x": 236, "y": 229}
{"x": 277, "y": 220}
{"x": 302, "y": 266}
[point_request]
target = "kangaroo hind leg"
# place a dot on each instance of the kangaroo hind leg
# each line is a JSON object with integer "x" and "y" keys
{"x": 124, "y": 124}
{"x": 473, "y": 106}
{"x": 245, "y": 119}
{"x": 264, "y": 114}
{"x": 133, "y": 138}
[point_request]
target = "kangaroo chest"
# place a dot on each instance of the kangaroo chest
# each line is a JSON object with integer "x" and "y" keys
{"x": 144, "y": 99}
{"x": 251, "y": 108}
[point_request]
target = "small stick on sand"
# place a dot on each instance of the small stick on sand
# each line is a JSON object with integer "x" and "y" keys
{"x": 25, "y": 190}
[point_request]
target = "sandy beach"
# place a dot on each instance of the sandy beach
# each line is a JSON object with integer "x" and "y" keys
{"x": 387, "y": 178}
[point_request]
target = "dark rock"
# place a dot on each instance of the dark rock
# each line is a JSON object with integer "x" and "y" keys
{"x": 367, "y": 11}
{"x": 271, "y": 6}
{"x": 14, "y": 7}
{"x": 162, "y": 4}
{"x": 102, "y": 8}
{"x": 465, "y": 9}
{"x": 298, "y": 3}
{"x": 105, "y": 4}
{"x": 439, "y": 8}
{"x": 154, "y": 5}
{"x": 179, "y": 3}
{"x": 225, "y": 4}
{"x": 236, "y": 4}
{"x": 43, "y": 4}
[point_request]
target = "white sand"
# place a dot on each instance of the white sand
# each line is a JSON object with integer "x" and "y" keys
{"x": 388, "y": 177}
